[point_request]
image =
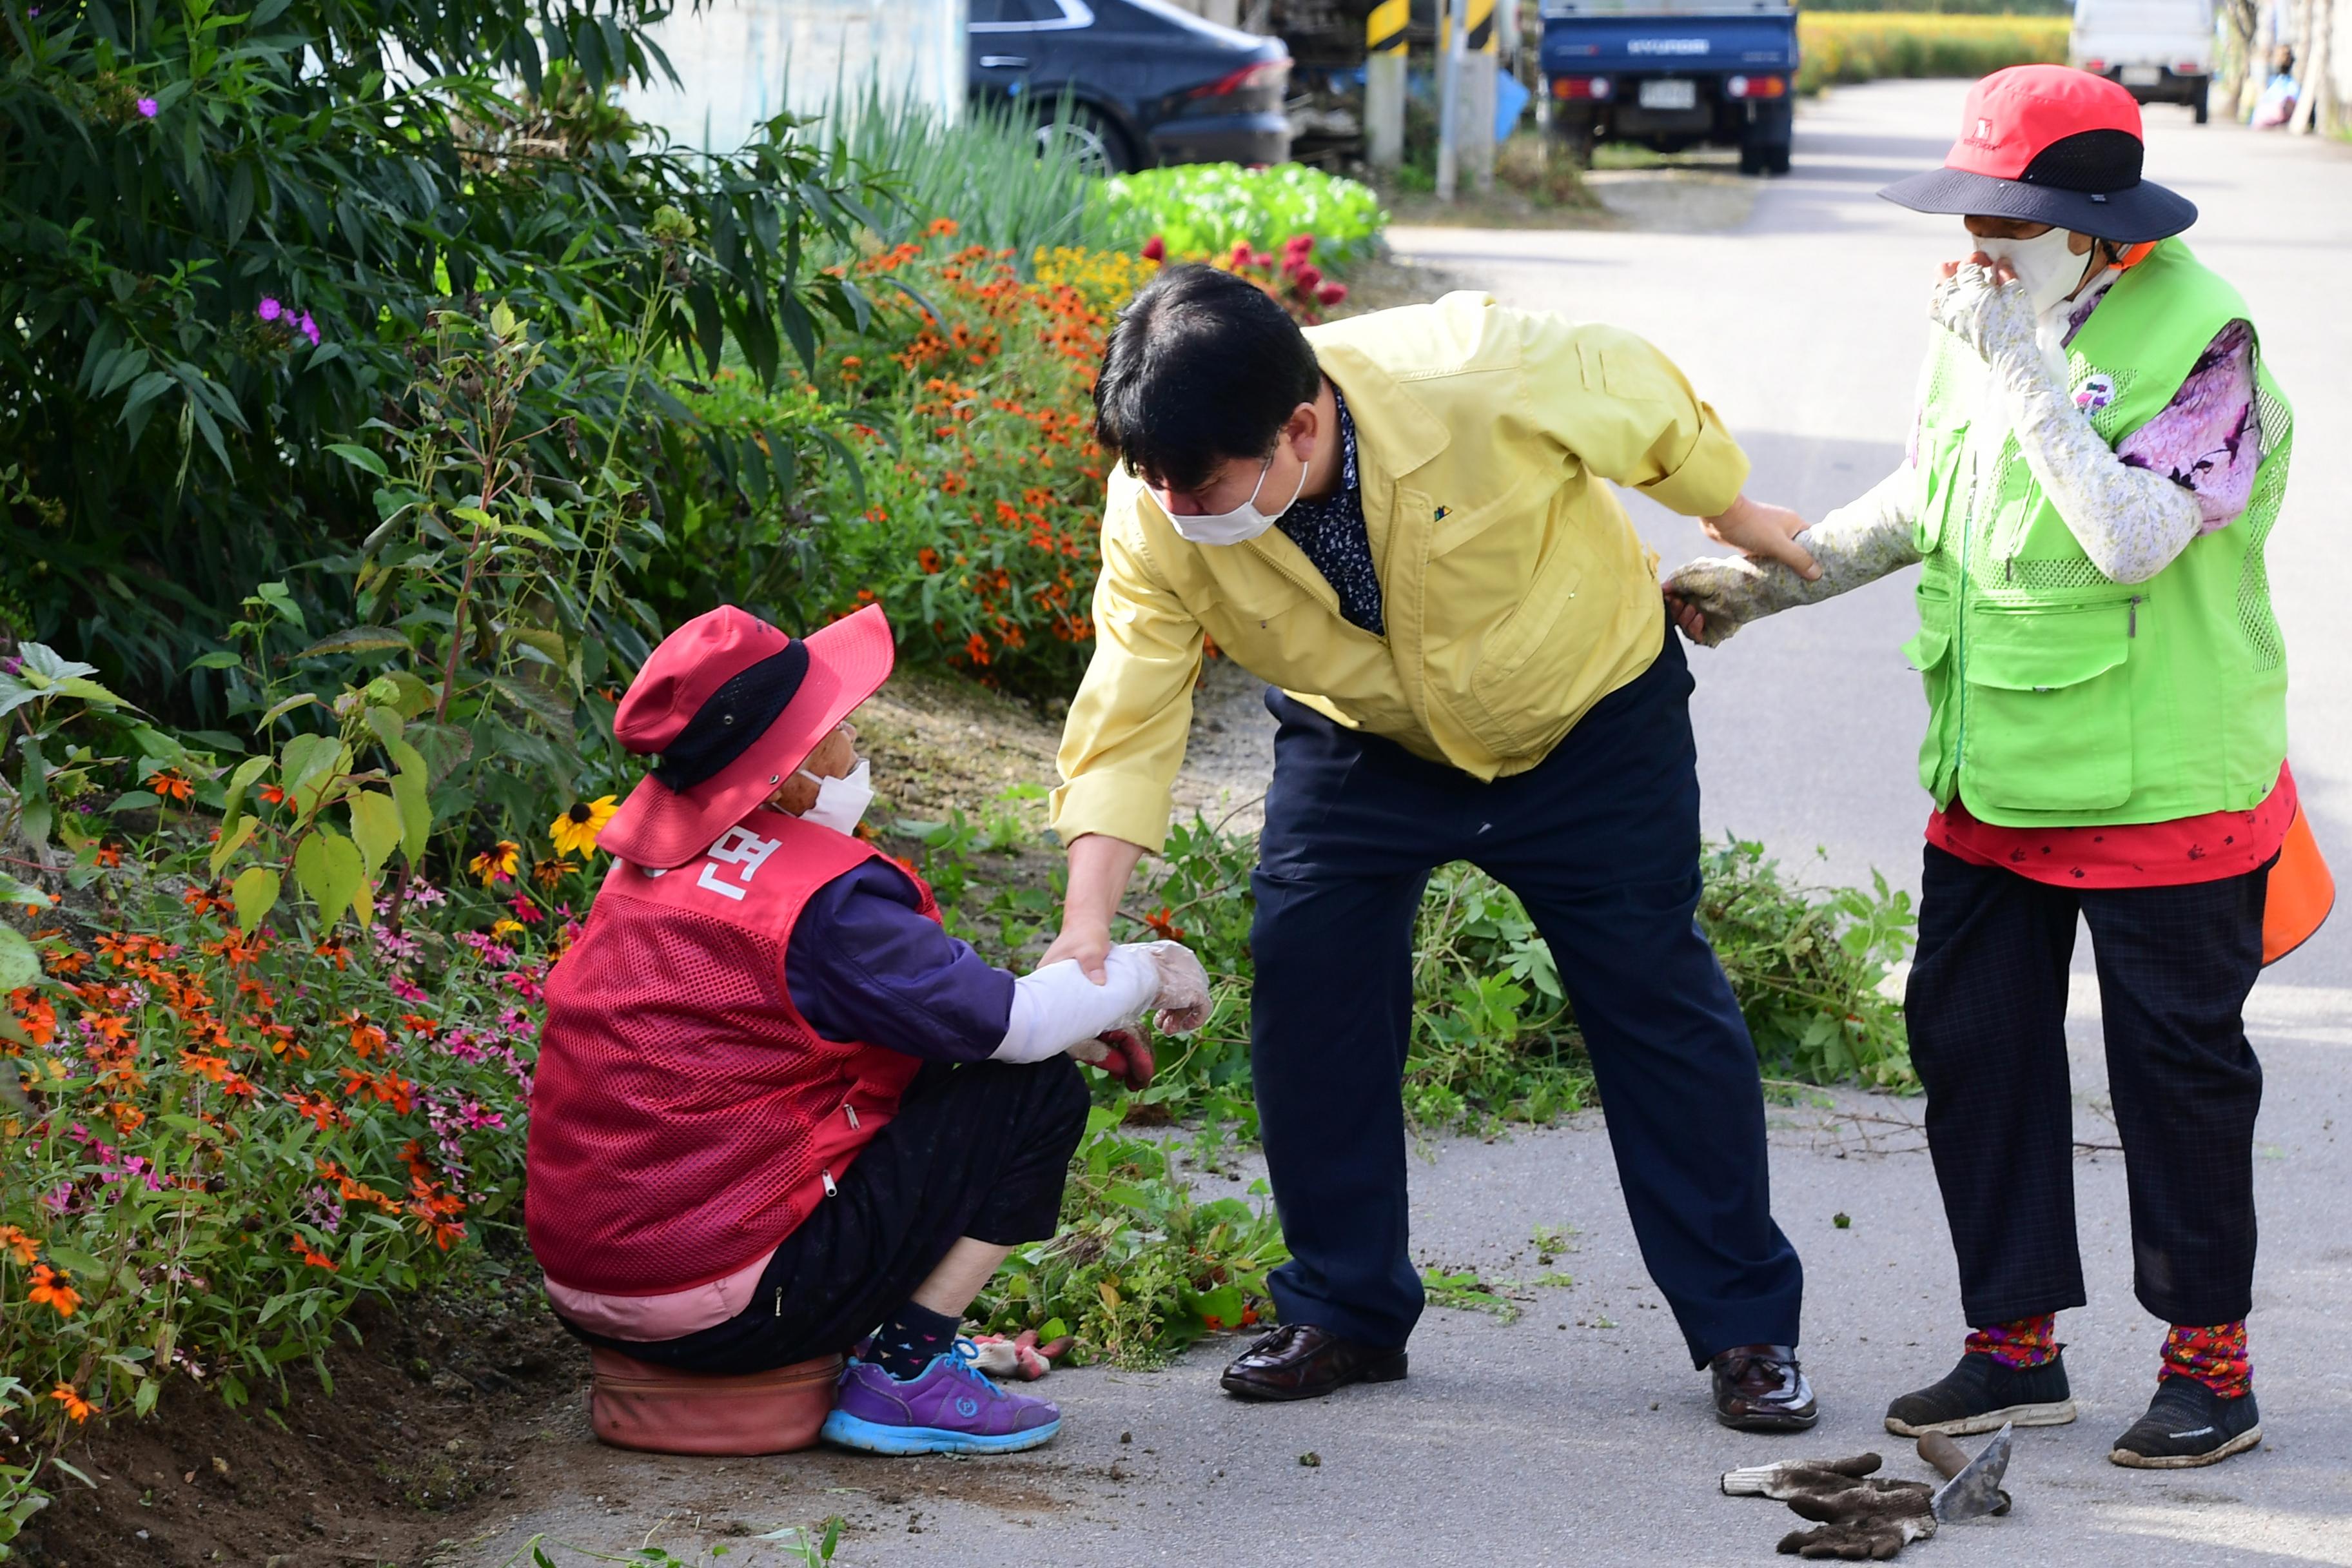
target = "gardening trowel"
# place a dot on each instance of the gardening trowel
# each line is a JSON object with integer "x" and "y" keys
{"x": 1971, "y": 1488}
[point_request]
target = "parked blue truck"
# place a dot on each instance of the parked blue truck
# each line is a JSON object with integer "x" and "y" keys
{"x": 1673, "y": 74}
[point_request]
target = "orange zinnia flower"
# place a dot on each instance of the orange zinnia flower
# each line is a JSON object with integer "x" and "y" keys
{"x": 49, "y": 1288}
{"x": 16, "y": 1241}
{"x": 76, "y": 1405}
{"x": 312, "y": 1255}
{"x": 172, "y": 786}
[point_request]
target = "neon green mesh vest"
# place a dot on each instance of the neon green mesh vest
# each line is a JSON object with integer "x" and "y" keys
{"x": 2057, "y": 695}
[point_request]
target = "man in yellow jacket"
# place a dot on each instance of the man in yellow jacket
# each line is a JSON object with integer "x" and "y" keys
{"x": 1404, "y": 522}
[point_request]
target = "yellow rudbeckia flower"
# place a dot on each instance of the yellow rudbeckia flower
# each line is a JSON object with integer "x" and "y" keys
{"x": 576, "y": 830}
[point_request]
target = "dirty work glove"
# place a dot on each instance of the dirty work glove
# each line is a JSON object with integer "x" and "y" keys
{"x": 1021, "y": 1356}
{"x": 1183, "y": 1003}
{"x": 1121, "y": 1053}
{"x": 1861, "y": 1520}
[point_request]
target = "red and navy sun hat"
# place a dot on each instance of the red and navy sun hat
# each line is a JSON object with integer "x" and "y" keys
{"x": 729, "y": 706}
{"x": 2051, "y": 144}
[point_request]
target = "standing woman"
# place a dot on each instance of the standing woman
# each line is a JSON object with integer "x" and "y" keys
{"x": 2098, "y": 458}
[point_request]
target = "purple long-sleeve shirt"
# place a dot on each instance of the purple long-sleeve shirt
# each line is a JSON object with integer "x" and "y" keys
{"x": 865, "y": 964}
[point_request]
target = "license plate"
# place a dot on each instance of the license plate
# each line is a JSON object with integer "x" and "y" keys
{"x": 2143, "y": 76}
{"x": 1673, "y": 93}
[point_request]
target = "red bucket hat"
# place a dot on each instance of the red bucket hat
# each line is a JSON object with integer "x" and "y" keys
{"x": 729, "y": 706}
{"x": 2051, "y": 144}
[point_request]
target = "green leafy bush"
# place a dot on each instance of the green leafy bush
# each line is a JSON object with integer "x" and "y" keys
{"x": 226, "y": 230}
{"x": 1207, "y": 209}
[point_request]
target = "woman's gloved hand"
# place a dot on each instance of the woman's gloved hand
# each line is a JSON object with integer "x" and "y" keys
{"x": 1183, "y": 1003}
{"x": 1714, "y": 596}
{"x": 1982, "y": 303}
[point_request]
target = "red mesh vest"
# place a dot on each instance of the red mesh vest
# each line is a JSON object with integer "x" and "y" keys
{"x": 685, "y": 1117}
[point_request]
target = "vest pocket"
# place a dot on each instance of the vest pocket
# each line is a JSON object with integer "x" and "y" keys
{"x": 2048, "y": 725}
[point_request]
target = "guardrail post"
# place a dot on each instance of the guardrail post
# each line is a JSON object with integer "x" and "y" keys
{"x": 1384, "y": 82}
{"x": 1475, "y": 103}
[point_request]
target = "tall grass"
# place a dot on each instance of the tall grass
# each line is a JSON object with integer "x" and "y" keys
{"x": 1952, "y": 8}
{"x": 985, "y": 171}
{"x": 1867, "y": 46}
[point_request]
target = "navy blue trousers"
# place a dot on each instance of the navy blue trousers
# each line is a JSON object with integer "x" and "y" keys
{"x": 1601, "y": 842}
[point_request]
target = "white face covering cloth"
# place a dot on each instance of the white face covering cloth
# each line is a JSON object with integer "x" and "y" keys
{"x": 1243, "y": 522}
{"x": 2049, "y": 270}
{"x": 841, "y": 802}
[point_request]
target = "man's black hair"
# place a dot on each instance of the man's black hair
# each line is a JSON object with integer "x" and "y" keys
{"x": 1203, "y": 367}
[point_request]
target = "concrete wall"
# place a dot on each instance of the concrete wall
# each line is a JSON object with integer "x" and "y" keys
{"x": 740, "y": 63}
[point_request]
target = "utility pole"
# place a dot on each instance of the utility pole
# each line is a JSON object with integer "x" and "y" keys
{"x": 1476, "y": 100}
{"x": 1384, "y": 82}
{"x": 1449, "y": 97}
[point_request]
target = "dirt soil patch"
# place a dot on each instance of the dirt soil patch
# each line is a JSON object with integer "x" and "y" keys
{"x": 428, "y": 1415}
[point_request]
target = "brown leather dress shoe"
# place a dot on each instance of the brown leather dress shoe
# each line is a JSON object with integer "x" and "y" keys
{"x": 1761, "y": 1388}
{"x": 1299, "y": 1360}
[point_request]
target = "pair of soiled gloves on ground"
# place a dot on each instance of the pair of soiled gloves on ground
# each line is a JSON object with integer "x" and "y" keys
{"x": 1059, "y": 1008}
{"x": 1860, "y": 1519}
{"x": 2131, "y": 522}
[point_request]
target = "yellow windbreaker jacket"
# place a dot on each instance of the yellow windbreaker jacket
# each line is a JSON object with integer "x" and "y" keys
{"x": 1515, "y": 589}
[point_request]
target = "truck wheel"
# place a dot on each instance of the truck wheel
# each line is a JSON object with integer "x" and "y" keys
{"x": 2204, "y": 110}
{"x": 1764, "y": 157}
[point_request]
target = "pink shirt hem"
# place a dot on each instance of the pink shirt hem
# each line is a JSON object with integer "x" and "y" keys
{"x": 648, "y": 1320}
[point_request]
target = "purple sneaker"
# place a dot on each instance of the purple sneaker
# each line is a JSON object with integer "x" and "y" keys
{"x": 950, "y": 1408}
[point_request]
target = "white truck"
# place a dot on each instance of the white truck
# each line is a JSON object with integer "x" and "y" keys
{"x": 2161, "y": 51}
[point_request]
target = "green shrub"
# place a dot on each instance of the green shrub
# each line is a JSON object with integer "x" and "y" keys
{"x": 986, "y": 172}
{"x": 1207, "y": 209}
{"x": 225, "y": 230}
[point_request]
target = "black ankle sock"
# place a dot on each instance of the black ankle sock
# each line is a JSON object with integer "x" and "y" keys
{"x": 908, "y": 1338}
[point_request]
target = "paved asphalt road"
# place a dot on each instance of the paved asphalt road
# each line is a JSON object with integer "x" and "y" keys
{"x": 1578, "y": 1434}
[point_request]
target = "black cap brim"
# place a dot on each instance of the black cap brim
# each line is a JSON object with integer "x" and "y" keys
{"x": 2131, "y": 217}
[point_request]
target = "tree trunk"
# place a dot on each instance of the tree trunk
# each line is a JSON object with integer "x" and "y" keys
{"x": 2243, "y": 65}
{"x": 2313, "y": 69}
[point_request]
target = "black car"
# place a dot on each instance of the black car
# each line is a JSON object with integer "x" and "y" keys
{"x": 1147, "y": 83}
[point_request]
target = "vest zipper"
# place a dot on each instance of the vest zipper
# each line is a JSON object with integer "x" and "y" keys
{"x": 829, "y": 1190}
{"x": 2131, "y": 625}
{"x": 851, "y": 1111}
{"x": 780, "y": 1300}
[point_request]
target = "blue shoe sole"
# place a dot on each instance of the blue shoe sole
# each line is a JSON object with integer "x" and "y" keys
{"x": 854, "y": 1432}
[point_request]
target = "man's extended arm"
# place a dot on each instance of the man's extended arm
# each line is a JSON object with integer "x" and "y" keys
{"x": 1626, "y": 412}
{"x": 1123, "y": 743}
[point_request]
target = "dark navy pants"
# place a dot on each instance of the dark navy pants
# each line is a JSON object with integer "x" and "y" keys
{"x": 1601, "y": 843}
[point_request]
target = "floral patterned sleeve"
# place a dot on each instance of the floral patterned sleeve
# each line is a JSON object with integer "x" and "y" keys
{"x": 2209, "y": 439}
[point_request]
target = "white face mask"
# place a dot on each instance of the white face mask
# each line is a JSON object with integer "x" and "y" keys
{"x": 841, "y": 802}
{"x": 2049, "y": 270}
{"x": 1243, "y": 522}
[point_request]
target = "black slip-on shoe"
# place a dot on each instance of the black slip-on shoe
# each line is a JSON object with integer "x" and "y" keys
{"x": 1982, "y": 1395}
{"x": 1299, "y": 1360}
{"x": 2188, "y": 1425}
{"x": 1761, "y": 1388}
